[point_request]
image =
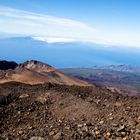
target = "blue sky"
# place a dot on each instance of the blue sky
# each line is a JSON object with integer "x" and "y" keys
{"x": 111, "y": 22}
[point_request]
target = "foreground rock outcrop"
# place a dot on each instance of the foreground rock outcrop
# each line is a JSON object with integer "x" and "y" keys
{"x": 51, "y": 111}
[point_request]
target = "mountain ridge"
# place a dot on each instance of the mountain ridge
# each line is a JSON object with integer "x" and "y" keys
{"x": 34, "y": 72}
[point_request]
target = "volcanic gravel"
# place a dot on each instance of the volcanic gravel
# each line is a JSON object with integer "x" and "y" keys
{"x": 60, "y": 112}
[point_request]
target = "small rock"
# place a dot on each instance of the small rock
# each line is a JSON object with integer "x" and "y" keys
{"x": 59, "y": 121}
{"x": 96, "y": 128}
{"x": 20, "y": 132}
{"x": 132, "y": 123}
{"x": 97, "y": 132}
{"x": 123, "y": 133}
{"x": 19, "y": 112}
{"x": 30, "y": 127}
{"x": 80, "y": 125}
{"x": 118, "y": 104}
{"x": 139, "y": 118}
{"x": 57, "y": 136}
{"x": 111, "y": 118}
{"x": 110, "y": 114}
{"x": 137, "y": 137}
{"x": 101, "y": 122}
{"x": 114, "y": 124}
{"x": 124, "y": 139}
{"x": 67, "y": 127}
{"x": 85, "y": 128}
{"x": 121, "y": 128}
{"x": 137, "y": 131}
{"x": 23, "y": 96}
{"x": 36, "y": 138}
{"x": 51, "y": 133}
{"x": 85, "y": 124}
{"x": 108, "y": 134}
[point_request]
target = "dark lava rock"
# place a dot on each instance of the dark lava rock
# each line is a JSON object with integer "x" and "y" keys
{"x": 5, "y": 65}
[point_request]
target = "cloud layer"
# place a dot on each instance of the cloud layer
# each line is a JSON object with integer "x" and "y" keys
{"x": 55, "y": 29}
{"x": 27, "y": 23}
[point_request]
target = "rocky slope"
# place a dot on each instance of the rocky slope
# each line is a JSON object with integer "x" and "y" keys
{"x": 58, "y": 112}
{"x": 33, "y": 72}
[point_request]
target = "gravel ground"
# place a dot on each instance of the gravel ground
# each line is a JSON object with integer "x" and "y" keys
{"x": 59, "y": 112}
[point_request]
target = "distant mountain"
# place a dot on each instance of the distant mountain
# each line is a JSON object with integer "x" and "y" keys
{"x": 33, "y": 72}
{"x": 121, "y": 68}
{"x": 124, "y": 79}
{"x": 66, "y": 55}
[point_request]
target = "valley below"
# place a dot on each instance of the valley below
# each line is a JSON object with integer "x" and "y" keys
{"x": 121, "y": 78}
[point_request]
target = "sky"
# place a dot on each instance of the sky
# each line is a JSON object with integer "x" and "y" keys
{"x": 110, "y": 22}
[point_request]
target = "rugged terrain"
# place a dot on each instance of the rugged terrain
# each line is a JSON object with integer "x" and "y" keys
{"x": 39, "y": 102}
{"x": 124, "y": 79}
{"x": 34, "y": 72}
{"x": 51, "y": 111}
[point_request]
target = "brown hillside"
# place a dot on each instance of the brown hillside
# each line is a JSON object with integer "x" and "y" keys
{"x": 34, "y": 72}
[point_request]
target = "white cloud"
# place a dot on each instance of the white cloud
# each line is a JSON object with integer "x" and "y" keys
{"x": 55, "y": 29}
{"x": 22, "y": 22}
{"x": 54, "y": 39}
